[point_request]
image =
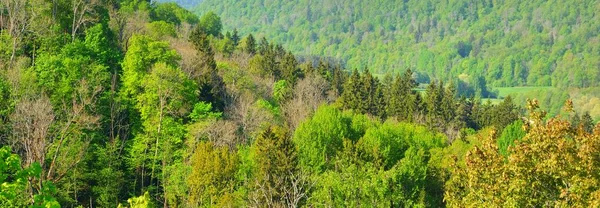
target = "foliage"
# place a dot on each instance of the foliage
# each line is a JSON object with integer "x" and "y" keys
{"x": 551, "y": 166}
{"x": 212, "y": 180}
{"x": 210, "y": 24}
{"x": 16, "y": 186}
{"x": 533, "y": 43}
{"x": 511, "y": 134}
{"x": 141, "y": 104}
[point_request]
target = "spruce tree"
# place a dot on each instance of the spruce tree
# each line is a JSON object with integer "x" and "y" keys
{"x": 401, "y": 98}
{"x": 276, "y": 166}
{"x": 235, "y": 37}
{"x": 211, "y": 85}
{"x": 351, "y": 97}
{"x": 289, "y": 68}
{"x": 250, "y": 45}
{"x": 587, "y": 122}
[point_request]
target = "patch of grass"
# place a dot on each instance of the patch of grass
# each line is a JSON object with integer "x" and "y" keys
{"x": 506, "y": 91}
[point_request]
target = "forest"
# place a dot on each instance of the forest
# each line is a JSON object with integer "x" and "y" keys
{"x": 505, "y": 43}
{"x": 139, "y": 104}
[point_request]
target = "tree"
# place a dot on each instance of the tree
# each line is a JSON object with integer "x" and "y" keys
{"x": 212, "y": 180}
{"x": 401, "y": 98}
{"x": 308, "y": 94}
{"x": 351, "y": 97}
{"x": 587, "y": 123}
{"x": 142, "y": 54}
{"x": 18, "y": 183}
{"x": 505, "y": 113}
{"x": 235, "y": 37}
{"x": 277, "y": 176}
{"x": 212, "y": 88}
{"x": 84, "y": 12}
{"x": 210, "y": 23}
{"x": 31, "y": 122}
{"x": 549, "y": 166}
{"x": 248, "y": 45}
{"x": 165, "y": 98}
{"x": 319, "y": 138}
{"x": 289, "y": 68}
{"x": 512, "y": 133}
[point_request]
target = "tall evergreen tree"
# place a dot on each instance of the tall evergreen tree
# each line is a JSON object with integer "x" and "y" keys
{"x": 401, "y": 98}
{"x": 276, "y": 168}
{"x": 211, "y": 85}
{"x": 249, "y": 45}
{"x": 289, "y": 68}
{"x": 264, "y": 47}
{"x": 235, "y": 37}
{"x": 587, "y": 123}
{"x": 505, "y": 113}
{"x": 351, "y": 97}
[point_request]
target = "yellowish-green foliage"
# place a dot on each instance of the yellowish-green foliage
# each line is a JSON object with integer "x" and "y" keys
{"x": 143, "y": 201}
{"x": 212, "y": 179}
{"x": 553, "y": 165}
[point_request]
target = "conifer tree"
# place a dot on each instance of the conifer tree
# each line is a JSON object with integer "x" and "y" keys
{"x": 249, "y": 45}
{"x": 587, "y": 123}
{"x": 401, "y": 97}
{"x": 351, "y": 97}
{"x": 264, "y": 47}
{"x": 289, "y": 68}
{"x": 211, "y": 85}
{"x": 235, "y": 37}
{"x": 276, "y": 166}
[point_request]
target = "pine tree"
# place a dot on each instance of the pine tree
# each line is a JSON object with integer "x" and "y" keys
{"x": 250, "y": 45}
{"x": 351, "y": 97}
{"x": 587, "y": 123}
{"x": 505, "y": 113}
{"x": 339, "y": 77}
{"x": 276, "y": 166}
{"x": 235, "y": 37}
{"x": 289, "y": 68}
{"x": 211, "y": 85}
{"x": 264, "y": 47}
{"x": 402, "y": 99}
{"x": 448, "y": 104}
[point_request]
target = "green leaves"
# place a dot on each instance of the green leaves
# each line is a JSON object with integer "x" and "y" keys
{"x": 203, "y": 111}
{"x": 15, "y": 187}
{"x": 210, "y": 23}
{"x": 142, "y": 54}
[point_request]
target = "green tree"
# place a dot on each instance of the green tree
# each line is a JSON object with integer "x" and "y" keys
{"x": 210, "y": 23}
{"x": 587, "y": 123}
{"x": 18, "y": 183}
{"x": 212, "y": 180}
{"x": 319, "y": 138}
{"x": 248, "y": 45}
{"x": 289, "y": 68}
{"x": 401, "y": 98}
{"x": 510, "y": 134}
{"x": 276, "y": 175}
{"x": 143, "y": 52}
{"x": 351, "y": 97}
{"x": 165, "y": 99}
{"x": 235, "y": 37}
{"x": 211, "y": 85}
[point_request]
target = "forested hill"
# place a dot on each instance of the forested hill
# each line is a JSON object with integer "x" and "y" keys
{"x": 140, "y": 104}
{"x": 511, "y": 43}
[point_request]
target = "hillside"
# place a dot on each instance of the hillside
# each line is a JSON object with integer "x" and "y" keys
{"x": 142, "y": 104}
{"x": 510, "y": 43}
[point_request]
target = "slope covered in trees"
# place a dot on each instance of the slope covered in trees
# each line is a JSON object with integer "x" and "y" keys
{"x": 141, "y": 104}
{"x": 509, "y": 43}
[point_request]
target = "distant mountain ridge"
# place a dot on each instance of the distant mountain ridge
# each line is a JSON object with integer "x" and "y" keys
{"x": 509, "y": 43}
